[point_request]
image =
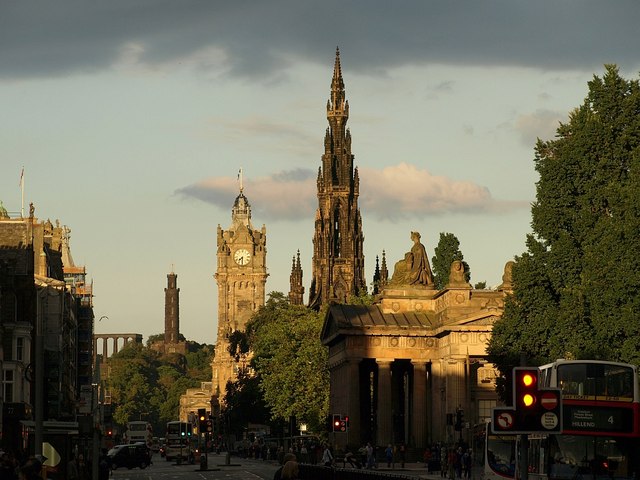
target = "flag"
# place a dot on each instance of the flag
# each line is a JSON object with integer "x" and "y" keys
{"x": 21, "y": 178}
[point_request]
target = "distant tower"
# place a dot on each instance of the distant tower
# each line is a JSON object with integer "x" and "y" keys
{"x": 296, "y": 290}
{"x": 381, "y": 275}
{"x": 241, "y": 277}
{"x": 172, "y": 310}
{"x": 338, "y": 258}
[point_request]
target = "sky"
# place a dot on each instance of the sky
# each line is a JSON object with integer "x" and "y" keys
{"x": 132, "y": 118}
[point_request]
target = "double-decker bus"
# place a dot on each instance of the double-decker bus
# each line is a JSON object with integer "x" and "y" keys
{"x": 179, "y": 442}
{"x": 139, "y": 431}
{"x": 600, "y": 423}
{"x": 494, "y": 455}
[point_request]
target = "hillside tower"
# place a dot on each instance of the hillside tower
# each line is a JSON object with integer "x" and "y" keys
{"x": 338, "y": 258}
{"x": 171, "y": 310}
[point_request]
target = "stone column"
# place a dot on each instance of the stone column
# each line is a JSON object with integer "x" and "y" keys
{"x": 353, "y": 406}
{"x": 419, "y": 412}
{"x": 384, "y": 430}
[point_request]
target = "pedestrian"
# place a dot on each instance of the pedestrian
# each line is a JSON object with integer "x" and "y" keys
{"x": 401, "y": 452}
{"x": 287, "y": 457}
{"x": 31, "y": 469}
{"x": 388, "y": 453}
{"x": 466, "y": 464}
{"x": 72, "y": 468}
{"x": 458, "y": 464}
{"x": 451, "y": 464}
{"x": 290, "y": 470}
{"x": 427, "y": 458}
{"x": 327, "y": 456}
{"x": 104, "y": 467}
{"x": 83, "y": 472}
{"x": 371, "y": 459}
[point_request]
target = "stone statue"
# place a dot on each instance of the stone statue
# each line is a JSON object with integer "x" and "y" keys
{"x": 414, "y": 269}
{"x": 507, "y": 276}
{"x": 456, "y": 276}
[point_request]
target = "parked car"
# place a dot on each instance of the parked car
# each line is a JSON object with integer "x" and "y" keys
{"x": 130, "y": 456}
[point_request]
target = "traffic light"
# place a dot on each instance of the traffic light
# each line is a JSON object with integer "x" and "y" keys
{"x": 346, "y": 422}
{"x": 525, "y": 388}
{"x": 202, "y": 420}
{"x": 535, "y": 409}
{"x": 459, "y": 419}
{"x": 336, "y": 422}
{"x": 209, "y": 427}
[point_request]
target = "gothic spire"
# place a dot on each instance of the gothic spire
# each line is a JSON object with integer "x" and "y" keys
{"x": 296, "y": 290}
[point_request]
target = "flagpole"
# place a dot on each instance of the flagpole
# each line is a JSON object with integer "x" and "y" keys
{"x": 22, "y": 193}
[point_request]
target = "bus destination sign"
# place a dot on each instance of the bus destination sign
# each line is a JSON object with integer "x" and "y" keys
{"x": 599, "y": 419}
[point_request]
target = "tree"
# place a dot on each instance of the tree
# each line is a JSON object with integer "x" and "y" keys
{"x": 147, "y": 385}
{"x": 446, "y": 252}
{"x": 575, "y": 288}
{"x": 290, "y": 360}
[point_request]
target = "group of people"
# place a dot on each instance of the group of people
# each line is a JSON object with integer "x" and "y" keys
{"x": 31, "y": 468}
{"x": 455, "y": 463}
{"x": 13, "y": 468}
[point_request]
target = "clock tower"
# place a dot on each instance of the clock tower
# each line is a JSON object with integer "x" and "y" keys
{"x": 241, "y": 277}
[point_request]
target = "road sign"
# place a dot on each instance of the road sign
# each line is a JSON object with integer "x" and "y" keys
{"x": 549, "y": 400}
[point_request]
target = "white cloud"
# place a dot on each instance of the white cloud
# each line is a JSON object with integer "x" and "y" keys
{"x": 393, "y": 193}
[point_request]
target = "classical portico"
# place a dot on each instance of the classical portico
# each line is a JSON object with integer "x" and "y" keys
{"x": 400, "y": 366}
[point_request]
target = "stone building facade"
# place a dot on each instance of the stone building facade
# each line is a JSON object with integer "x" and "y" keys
{"x": 241, "y": 276}
{"x": 46, "y": 323}
{"x": 400, "y": 366}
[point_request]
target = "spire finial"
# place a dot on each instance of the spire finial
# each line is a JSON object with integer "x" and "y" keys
{"x": 240, "y": 179}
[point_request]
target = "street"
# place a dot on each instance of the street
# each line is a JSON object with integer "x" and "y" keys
{"x": 238, "y": 468}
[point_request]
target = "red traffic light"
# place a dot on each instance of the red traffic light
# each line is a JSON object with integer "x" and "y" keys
{"x": 526, "y": 387}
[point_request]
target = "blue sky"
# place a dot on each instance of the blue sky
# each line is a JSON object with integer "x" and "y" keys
{"x": 132, "y": 119}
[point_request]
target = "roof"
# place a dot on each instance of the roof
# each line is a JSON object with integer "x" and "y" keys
{"x": 354, "y": 318}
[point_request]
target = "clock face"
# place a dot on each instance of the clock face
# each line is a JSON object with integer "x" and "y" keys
{"x": 242, "y": 256}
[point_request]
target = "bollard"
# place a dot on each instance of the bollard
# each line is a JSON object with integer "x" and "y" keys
{"x": 227, "y": 459}
{"x": 203, "y": 461}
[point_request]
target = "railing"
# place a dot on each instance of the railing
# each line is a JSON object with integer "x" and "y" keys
{"x": 318, "y": 472}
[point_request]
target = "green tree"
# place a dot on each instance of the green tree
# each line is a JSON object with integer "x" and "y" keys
{"x": 147, "y": 385}
{"x": 446, "y": 252}
{"x": 575, "y": 288}
{"x": 290, "y": 360}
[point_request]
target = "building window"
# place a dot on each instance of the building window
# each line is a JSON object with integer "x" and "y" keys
{"x": 19, "y": 349}
{"x": 484, "y": 410}
{"x": 7, "y": 386}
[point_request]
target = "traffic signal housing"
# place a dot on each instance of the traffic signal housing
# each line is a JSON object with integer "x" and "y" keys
{"x": 339, "y": 423}
{"x": 535, "y": 409}
{"x": 202, "y": 420}
{"x": 459, "y": 420}
{"x": 335, "y": 422}
{"x": 527, "y": 403}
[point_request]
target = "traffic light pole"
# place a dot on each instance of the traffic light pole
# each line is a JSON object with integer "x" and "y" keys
{"x": 523, "y": 466}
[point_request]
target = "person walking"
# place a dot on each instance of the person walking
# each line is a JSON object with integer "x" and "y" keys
{"x": 371, "y": 458}
{"x": 388, "y": 453}
{"x": 327, "y": 456}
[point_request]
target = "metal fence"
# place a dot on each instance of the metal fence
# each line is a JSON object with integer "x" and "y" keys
{"x": 318, "y": 472}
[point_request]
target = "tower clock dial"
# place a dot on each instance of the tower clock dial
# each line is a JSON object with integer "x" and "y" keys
{"x": 242, "y": 256}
